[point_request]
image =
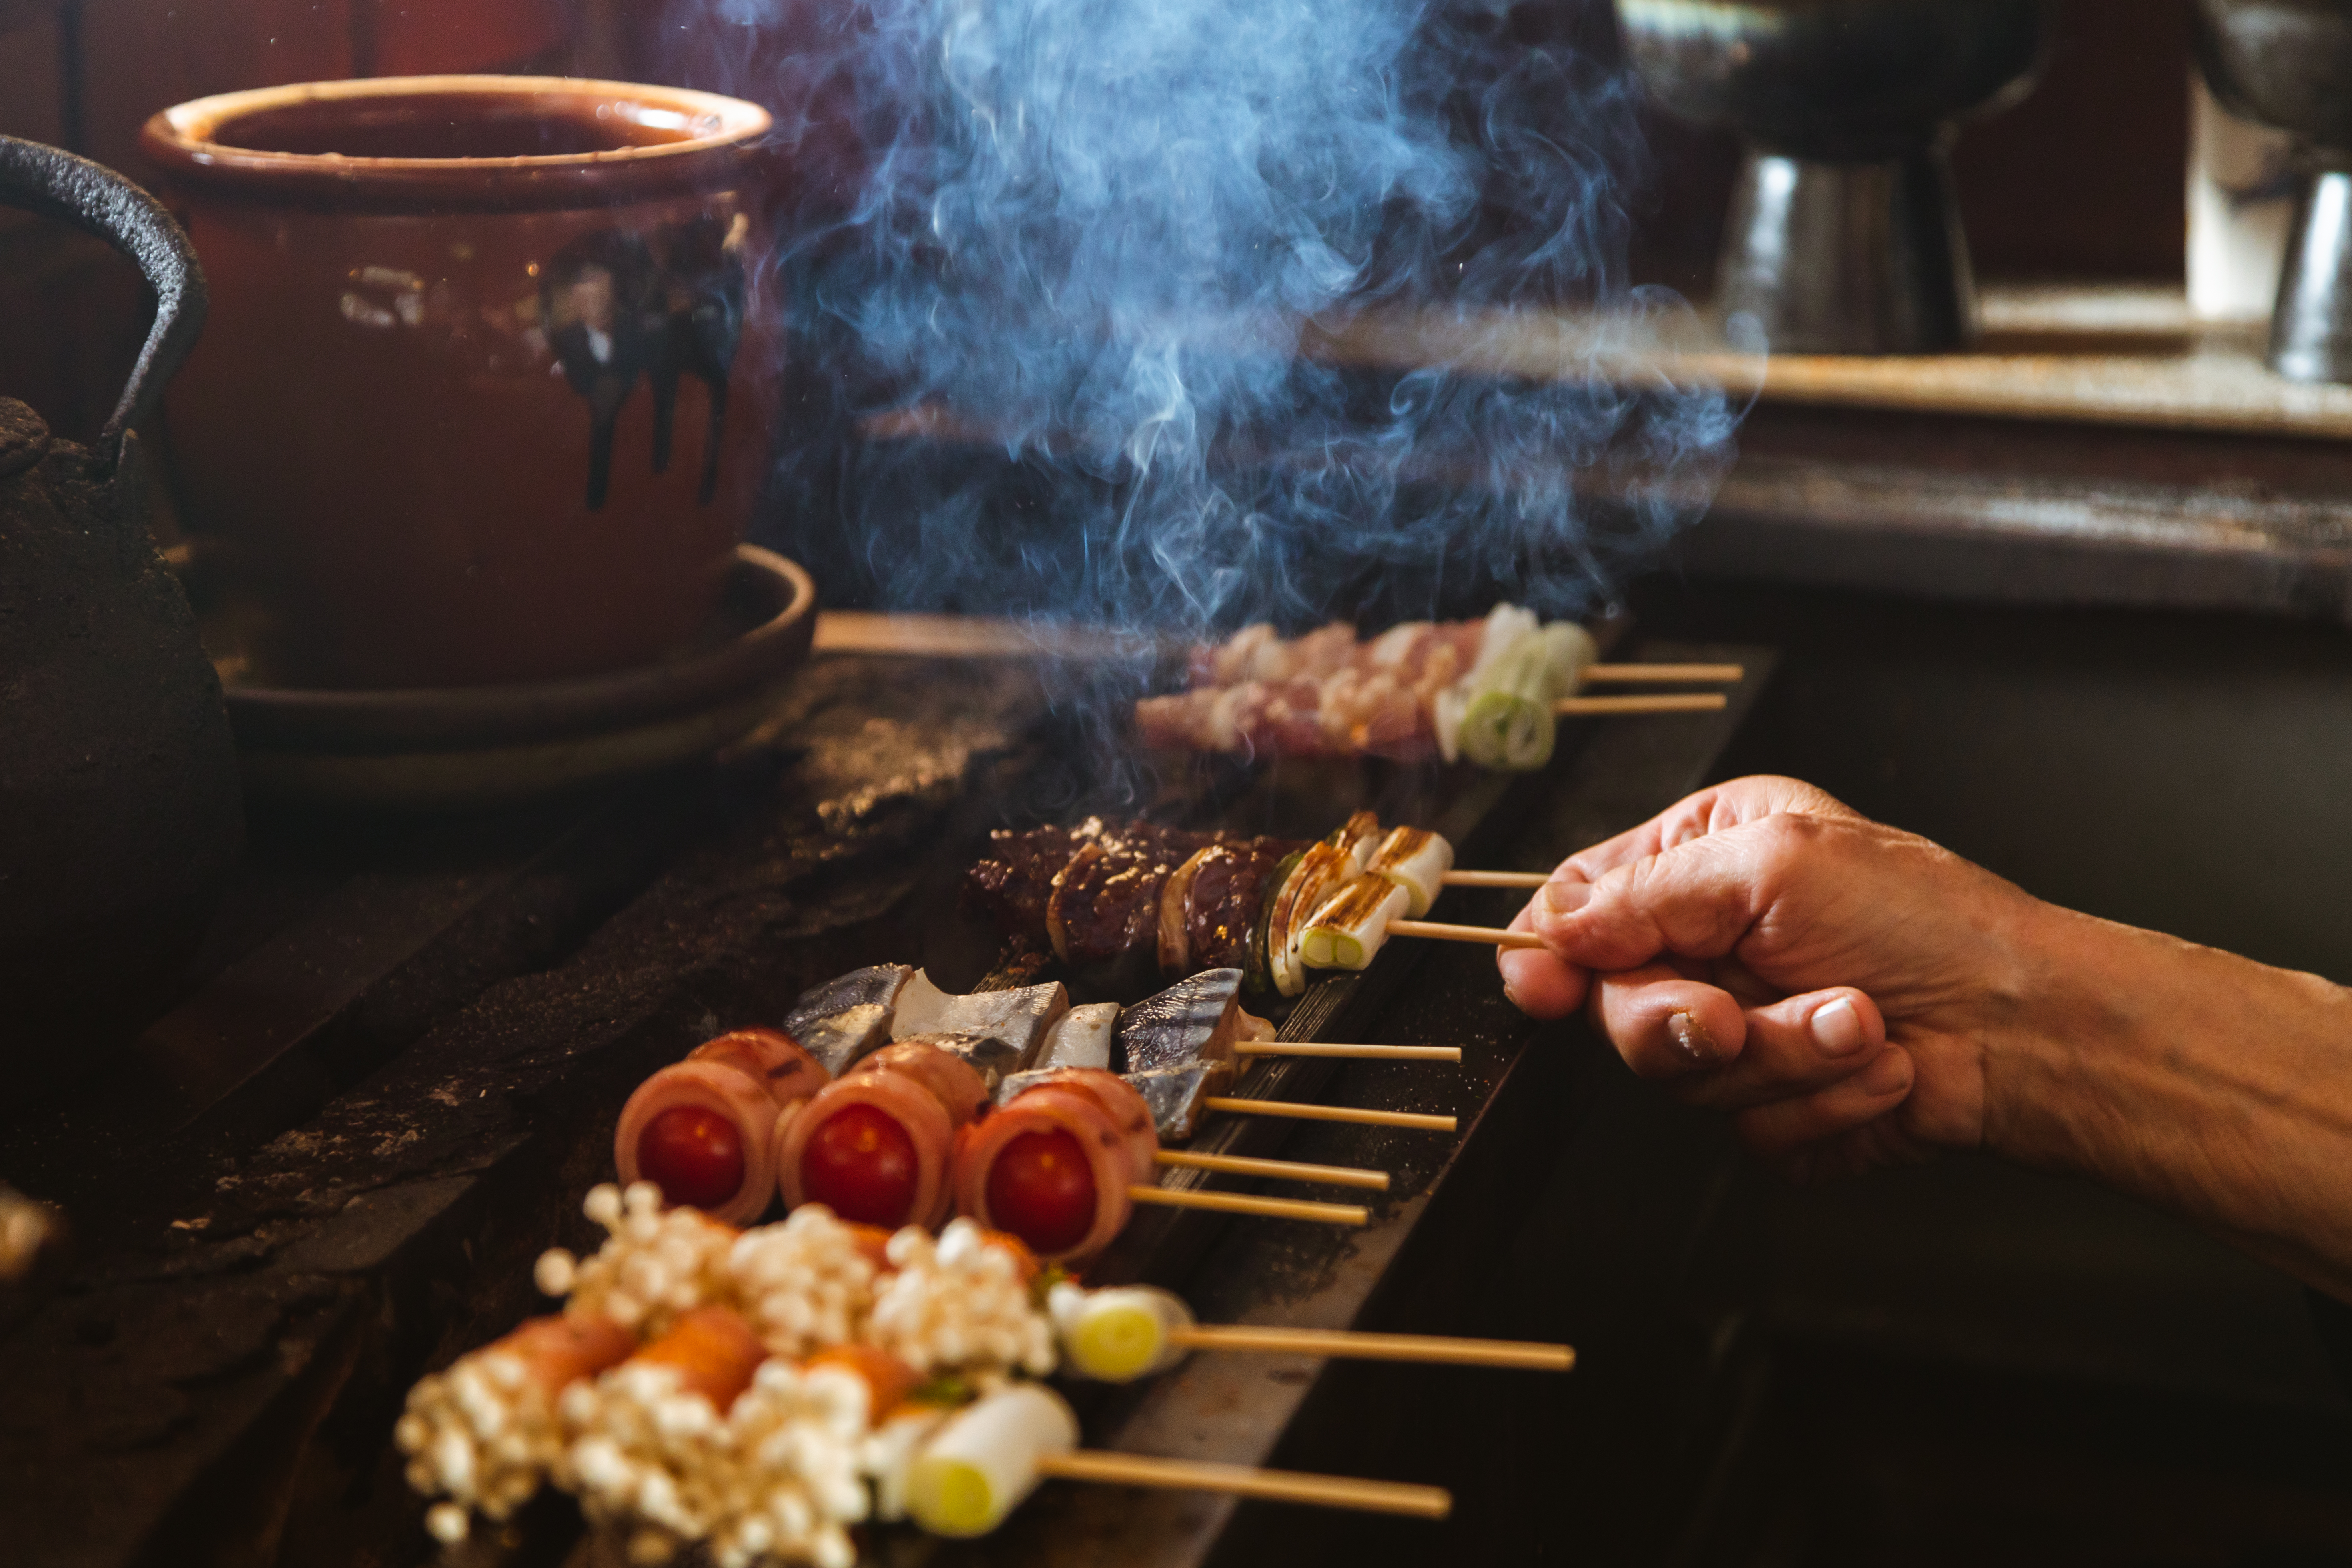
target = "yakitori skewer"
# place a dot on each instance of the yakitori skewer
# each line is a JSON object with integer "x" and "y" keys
{"x": 1663, "y": 674}
{"x": 982, "y": 636}
{"x": 1122, "y": 1332}
{"x": 1347, "y": 1345}
{"x": 1239, "y": 1480}
{"x": 1356, "y": 1115}
{"x": 1491, "y": 936}
{"x": 1352, "y": 1053}
{"x": 1495, "y": 878}
{"x": 891, "y": 1102}
{"x": 1244, "y": 1202}
{"x": 1279, "y": 1170}
{"x": 1663, "y": 702}
{"x": 755, "y": 1396}
{"x": 1485, "y": 691}
{"x": 1272, "y": 908}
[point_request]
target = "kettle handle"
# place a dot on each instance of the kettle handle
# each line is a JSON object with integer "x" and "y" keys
{"x": 56, "y": 183}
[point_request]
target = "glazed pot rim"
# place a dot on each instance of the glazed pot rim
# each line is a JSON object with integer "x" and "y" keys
{"x": 183, "y": 141}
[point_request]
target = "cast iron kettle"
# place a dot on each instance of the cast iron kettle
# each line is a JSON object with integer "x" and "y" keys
{"x": 120, "y": 811}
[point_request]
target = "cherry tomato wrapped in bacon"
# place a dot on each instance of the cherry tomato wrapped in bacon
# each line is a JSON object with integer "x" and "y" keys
{"x": 874, "y": 1146}
{"x": 1054, "y": 1166}
{"x": 703, "y": 1129}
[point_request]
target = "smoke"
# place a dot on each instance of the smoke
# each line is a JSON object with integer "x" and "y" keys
{"x": 1089, "y": 296}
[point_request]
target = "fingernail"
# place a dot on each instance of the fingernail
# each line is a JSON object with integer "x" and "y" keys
{"x": 1565, "y": 897}
{"x": 1837, "y": 1028}
{"x": 1691, "y": 1035}
{"x": 1890, "y": 1074}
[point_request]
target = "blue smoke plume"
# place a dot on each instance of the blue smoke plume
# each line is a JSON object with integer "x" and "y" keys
{"x": 1074, "y": 283}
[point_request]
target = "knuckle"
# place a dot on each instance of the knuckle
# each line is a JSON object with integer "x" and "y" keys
{"x": 1787, "y": 841}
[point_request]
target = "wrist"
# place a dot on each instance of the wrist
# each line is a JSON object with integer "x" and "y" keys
{"x": 2060, "y": 1025}
{"x": 2205, "y": 1083}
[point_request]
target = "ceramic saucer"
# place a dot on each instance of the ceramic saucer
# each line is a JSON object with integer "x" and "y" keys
{"x": 464, "y": 747}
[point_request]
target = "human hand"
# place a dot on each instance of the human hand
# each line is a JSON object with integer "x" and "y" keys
{"x": 1767, "y": 951}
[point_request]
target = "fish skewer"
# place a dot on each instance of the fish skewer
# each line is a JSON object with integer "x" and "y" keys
{"x": 1243, "y": 1203}
{"x": 889, "y": 1127}
{"x": 1352, "y": 1053}
{"x": 1284, "y": 1170}
{"x": 1356, "y": 1115}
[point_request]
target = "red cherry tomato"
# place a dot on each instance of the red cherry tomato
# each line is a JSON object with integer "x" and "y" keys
{"x": 693, "y": 1154}
{"x": 861, "y": 1164}
{"x": 1042, "y": 1190}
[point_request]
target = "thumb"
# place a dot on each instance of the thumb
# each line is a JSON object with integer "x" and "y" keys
{"x": 1696, "y": 899}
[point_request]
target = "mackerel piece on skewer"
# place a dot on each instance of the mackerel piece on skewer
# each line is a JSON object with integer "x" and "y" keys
{"x": 993, "y": 1058}
{"x": 1081, "y": 1037}
{"x": 1021, "y": 1019}
{"x": 846, "y": 1018}
{"x": 1176, "y": 1094}
{"x": 839, "y": 1041}
{"x": 1176, "y": 1048}
{"x": 1194, "y": 1020}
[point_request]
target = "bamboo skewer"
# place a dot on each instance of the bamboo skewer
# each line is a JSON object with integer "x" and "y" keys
{"x": 1430, "y": 1349}
{"x": 1348, "y": 1113}
{"x": 1245, "y": 1203}
{"x": 1661, "y": 674}
{"x": 1664, "y": 702}
{"x": 1353, "y": 1053}
{"x": 1278, "y": 1170}
{"x": 1495, "y": 878}
{"x": 983, "y": 637}
{"x": 1491, "y": 935}
{"x": 1240, "y": 1480}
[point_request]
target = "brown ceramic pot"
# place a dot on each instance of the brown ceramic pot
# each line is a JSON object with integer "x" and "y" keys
{"x": 490, "y": 371}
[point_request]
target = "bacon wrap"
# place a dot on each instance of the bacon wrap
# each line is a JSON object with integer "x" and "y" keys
{"x": 929, "y": 1093}
{"x": 961, "y": 1092}
{"x": 720, "y": 1083}
{"x": 770, "y": 1056}
{"x": 1103, "y": 1113}
{"x": 888, "y": 1379}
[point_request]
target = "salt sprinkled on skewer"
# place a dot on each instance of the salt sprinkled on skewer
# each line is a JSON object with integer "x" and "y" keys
{"x": 960, "y": 1302}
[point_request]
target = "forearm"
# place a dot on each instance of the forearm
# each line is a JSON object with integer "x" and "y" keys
{"x": 2209, "y": 1084}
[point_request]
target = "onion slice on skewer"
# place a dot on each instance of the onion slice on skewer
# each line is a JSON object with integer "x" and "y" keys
{"x": 1348, "y": 931}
